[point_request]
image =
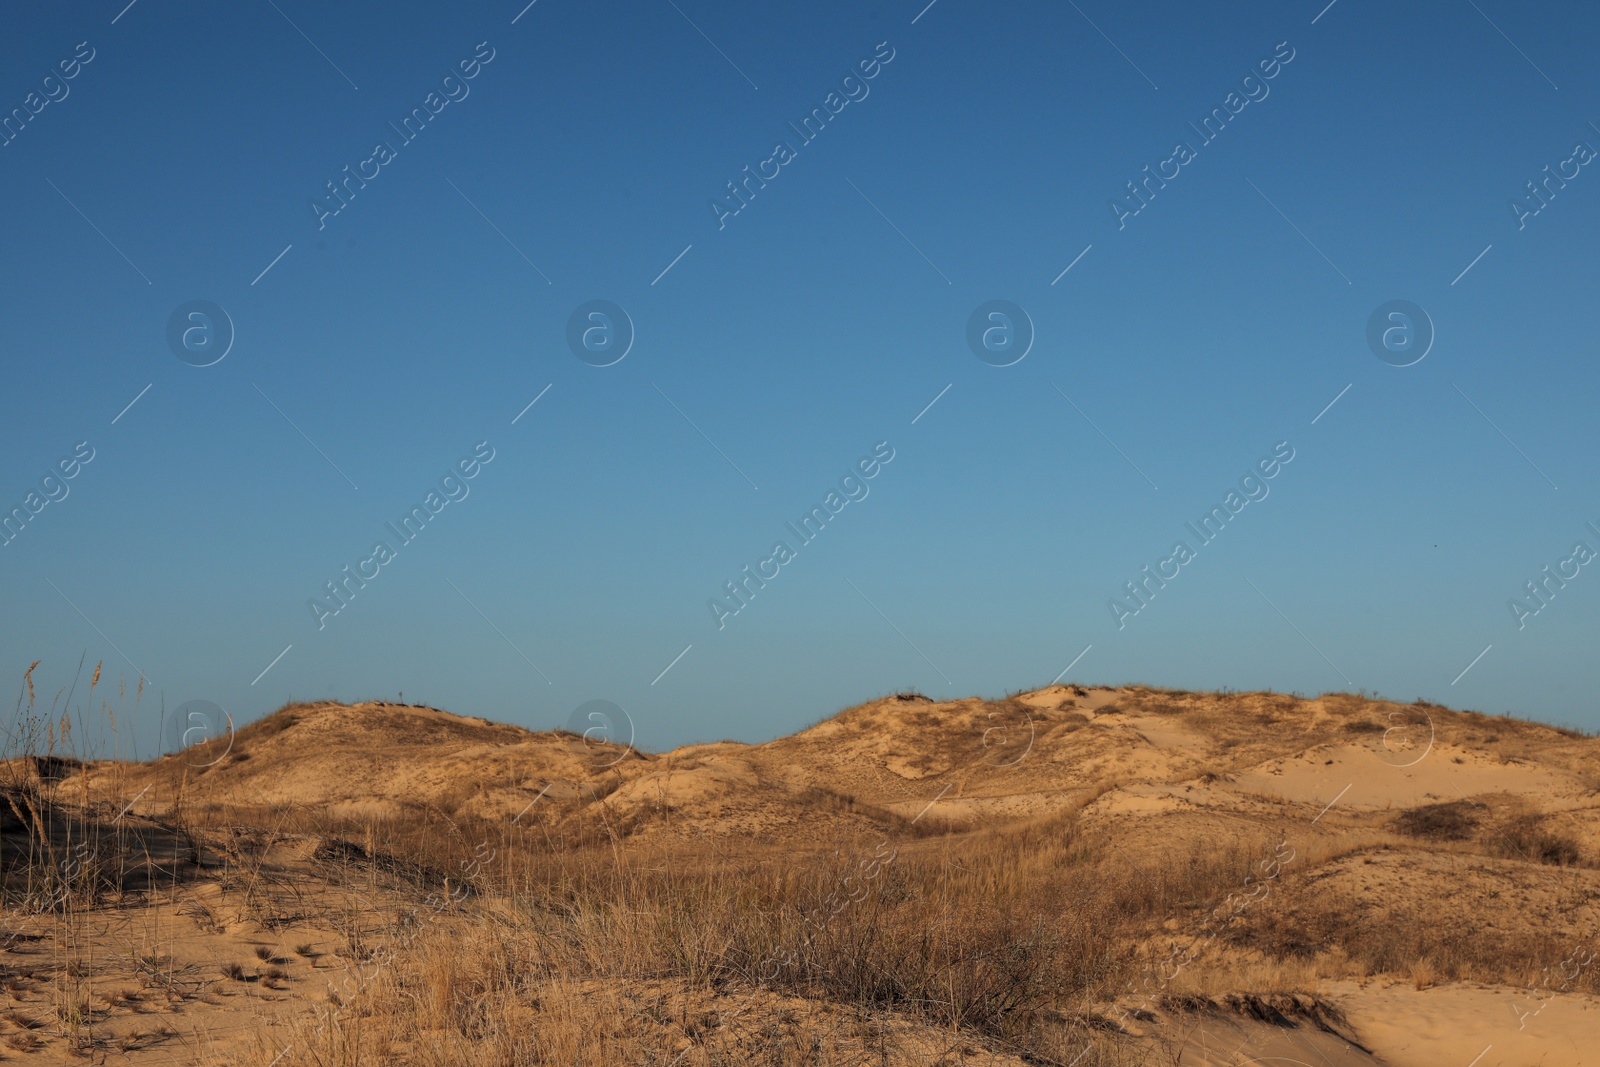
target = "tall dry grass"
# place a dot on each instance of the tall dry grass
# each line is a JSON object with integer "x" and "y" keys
{"x": 65, "y": 851}
{"x": 1015, "y": 940}
{"x": 1018, "y": 939}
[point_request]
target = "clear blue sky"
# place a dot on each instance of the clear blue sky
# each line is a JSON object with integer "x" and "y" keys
{"x": 976, "y": 164}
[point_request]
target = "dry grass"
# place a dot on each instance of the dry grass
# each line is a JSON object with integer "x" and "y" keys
{"x": 791, "y": 957}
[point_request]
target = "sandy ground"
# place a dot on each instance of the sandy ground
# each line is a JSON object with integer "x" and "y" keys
{"x": 248, "y": 935}
{"x": 1468, "y": 1024}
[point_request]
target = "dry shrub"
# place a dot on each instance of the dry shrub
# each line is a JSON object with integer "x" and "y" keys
{"x": 22, "y": 1041}
{"x": 1525, "y": 837}
{"x": 1452, "y": 820}
{"x": 1364, "y": 726}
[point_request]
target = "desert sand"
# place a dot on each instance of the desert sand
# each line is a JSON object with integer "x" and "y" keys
{"x": 1065, "y": 875}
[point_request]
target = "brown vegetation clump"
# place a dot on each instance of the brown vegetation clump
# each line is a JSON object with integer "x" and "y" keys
{"x": 1527, "y": 837}
{"x": 1453, "y": 820}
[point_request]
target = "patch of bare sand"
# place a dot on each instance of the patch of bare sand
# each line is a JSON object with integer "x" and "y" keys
{"x": 1464, "y": 1024}
{"x": 1368, "y": 776}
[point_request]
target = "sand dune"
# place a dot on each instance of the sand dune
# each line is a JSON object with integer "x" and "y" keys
{"x": 1221, "y": 878}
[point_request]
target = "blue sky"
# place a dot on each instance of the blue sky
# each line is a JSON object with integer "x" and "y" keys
{"x": 374, "y": 348}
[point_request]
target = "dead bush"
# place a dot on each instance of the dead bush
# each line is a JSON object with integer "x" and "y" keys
{"x": 1452, "y": 820}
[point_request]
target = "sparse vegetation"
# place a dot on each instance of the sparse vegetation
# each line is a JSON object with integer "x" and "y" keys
{"x": 701, "y": 908}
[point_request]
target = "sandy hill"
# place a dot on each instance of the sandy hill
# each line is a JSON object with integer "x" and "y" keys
{"x": 367, "y": 761}
{"x": 1121, "y": 873}
{"x": 1194, "y": 759}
